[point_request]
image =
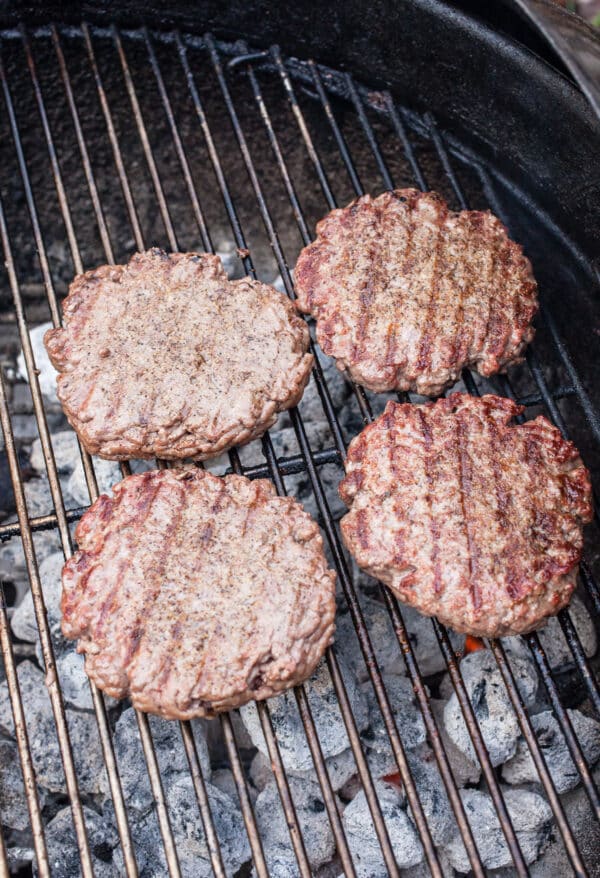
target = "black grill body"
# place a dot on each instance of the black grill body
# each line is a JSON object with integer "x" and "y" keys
{"x": 138, "y": 129}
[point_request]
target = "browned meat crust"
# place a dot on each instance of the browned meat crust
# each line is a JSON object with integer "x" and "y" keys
{"x": 194, "y": 594}
{"x": 165, "y": 357}
{"x": 407, "y": 293}
{"x": 465, "y": 516}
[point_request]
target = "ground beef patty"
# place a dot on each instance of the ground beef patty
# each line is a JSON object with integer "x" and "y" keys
{"x": 406, "y": 293}
{"x": 465, "y": 516}
{"x": 193, "y": 594}
{"x": 165, "y": 357}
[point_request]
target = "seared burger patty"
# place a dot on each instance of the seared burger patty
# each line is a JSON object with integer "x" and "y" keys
{"x": 406, "y": 293}
{"x": 465, "y": 516}
{"x": 193, "y": 594}
{"x": 165, "y": 357}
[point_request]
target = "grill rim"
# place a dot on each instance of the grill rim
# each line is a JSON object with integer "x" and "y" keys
{"x": 272, "y": 467}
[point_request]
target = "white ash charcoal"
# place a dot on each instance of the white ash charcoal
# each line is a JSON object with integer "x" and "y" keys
{"x": 424, "y": 642}
{"x": 421, "y": 635}
{"x": 285, "y": 444}
{"x": 362, "y": 838}
{"x": 63, "y": 853}
{"x": 149, "y": 850}
{"x": 13, "y": 804}
{"x": 23, "y": 622}
{"x": 12, "y": 557}
{"x": 407, "y": 715}
{"x": 311, "y": 815}
{"x": 281, "y": 862}
{"x": 74, "y": 680}
{"x": 464, "y": 770}
{"x": 491, "y": 705}
{"x": 170, "y": 754}
{"x": 311, "y": 407}
{"x": 66, "y": 453}
{"x": 428, "y": 782}
{"x": 46, "y": 371}
{"x": 554, "y": 862}
{"x": 194, "y": 857}
{"x": 38, "y": 496}
{"x": 24, "y": 428}
{"x": 530, "y": 815}
{"x": 43, "y": 740}
{"x": 423, "y": 870}
{"x": 287, "y": 723}
{"x": 108, "y": 473}
{"x": 521, "y": 768}
{"x": 340, "y": 769}
{"x": 260, "y": 770}
{"x": 553, "y": 640}
{"x": 432, "y": 794}
{"x": 224, "y": 780}
{"x": 19, "y": 857}
{"x": 227, "y": 253}
{"x": 383, "y": 637}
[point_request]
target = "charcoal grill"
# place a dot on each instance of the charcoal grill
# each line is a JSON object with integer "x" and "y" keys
{"x": 115, "y": 137}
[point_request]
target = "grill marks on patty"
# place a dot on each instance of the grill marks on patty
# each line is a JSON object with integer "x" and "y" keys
{"x": 193, "y": 594}
{"x": 406, "y": 292}
{"x": 466, "y": 516}
{"x": 165, "y": 357}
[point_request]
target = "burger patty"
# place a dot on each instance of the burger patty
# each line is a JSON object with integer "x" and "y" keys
{"x": 406, "y": 293}
{"x": 165, "y": 357}
{"x": 193, "y": 594}
{"x": 465, "y": 516}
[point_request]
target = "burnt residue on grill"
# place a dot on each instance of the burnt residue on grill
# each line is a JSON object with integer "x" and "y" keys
{"x": 394, "y": 753}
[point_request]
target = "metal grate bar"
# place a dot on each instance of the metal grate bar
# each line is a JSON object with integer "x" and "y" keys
{"x": 456, "y": 677}
{"x": 31, "y": 562}
{"x": 277, "y": 478}
{"x": 212, "y": 841}
{"x": 526, "y": 728}
{"x": 33, "y": 801}
{"x": 571, "y": 847}
{"x": 164, "y": 823}
{"x": 116, "y": 150}
{"x": 307, "y": 461}
{"x": 263, "y": 710}
{"x": 99, "y": 706}
{"x": 45, "y": 639}
{"x": 424, "y": 703}
{"x": 593, "y": 418}
{"x": 565, "y": 622}
{"x": 538, "y": 758}
{"x": 564, "y": 618}
{"x": 143, "y": 134}
{"x": 147, "y": 745}
{"x": 85, "y": 158}
{"x": 368, "y": 650}
{"x": 533, "y": 639}
{"x": 102, "y": 719}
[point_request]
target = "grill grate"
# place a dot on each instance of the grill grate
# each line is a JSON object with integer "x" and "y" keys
{"x": 254, "y": 77}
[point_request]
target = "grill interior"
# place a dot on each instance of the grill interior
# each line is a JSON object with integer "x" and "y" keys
{"x": 116, "y": 141}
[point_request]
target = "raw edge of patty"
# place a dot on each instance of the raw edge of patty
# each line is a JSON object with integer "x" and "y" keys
{"x": 155, "y": 652}
{"x": 434, "y": 561}
{"x": 446, "y": 339}
{"x": 144, "y": 434}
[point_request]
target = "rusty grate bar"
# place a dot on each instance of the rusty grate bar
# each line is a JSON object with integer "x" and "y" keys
{"x": 307, "y": 461}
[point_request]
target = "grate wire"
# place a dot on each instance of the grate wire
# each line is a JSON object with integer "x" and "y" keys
{"x": 308, "y": 461}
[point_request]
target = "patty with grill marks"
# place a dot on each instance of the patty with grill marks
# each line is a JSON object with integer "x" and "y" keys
{"x": 406, "y": 293}
{"x": 194, "y": 594}
{"x": 165, "y": 357}
{"x": 466, "y": 516}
